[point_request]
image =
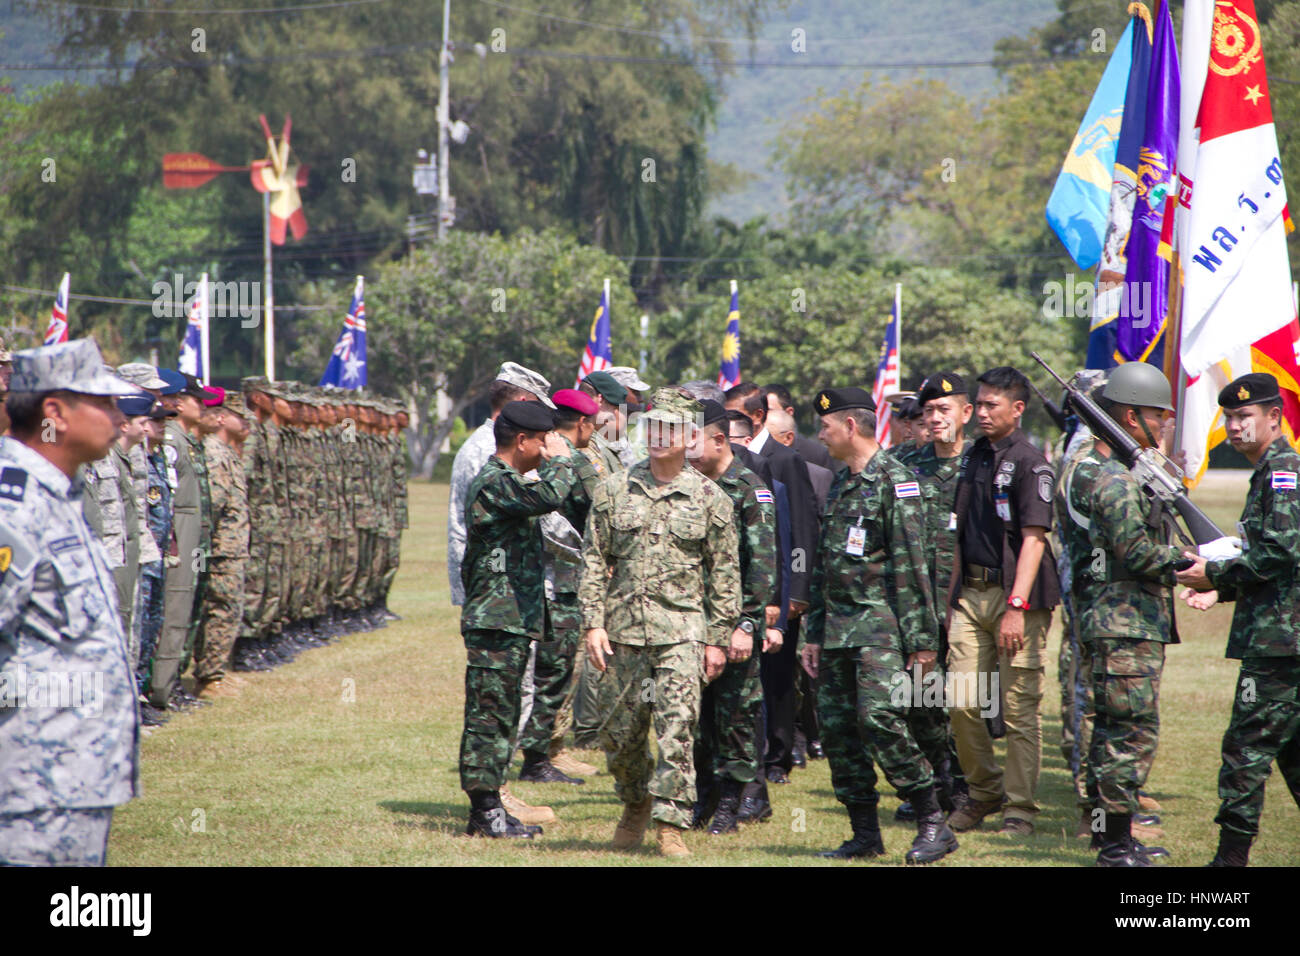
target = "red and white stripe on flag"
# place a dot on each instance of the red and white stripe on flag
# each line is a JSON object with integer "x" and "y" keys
{"x": 57, "y": 330}
{"x": 886, "y": 384}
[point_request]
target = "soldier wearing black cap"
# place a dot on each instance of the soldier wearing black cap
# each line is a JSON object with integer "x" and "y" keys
{"x": 505, "y": 605}
{"x": 1264, "y": 580}
{"x": 872, "y": 618}
{"x": 911, "y": 429}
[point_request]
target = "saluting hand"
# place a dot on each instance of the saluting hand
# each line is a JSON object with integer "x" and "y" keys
{"x": 554, "y": 447}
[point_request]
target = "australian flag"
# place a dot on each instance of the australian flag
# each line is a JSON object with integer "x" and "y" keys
{"x": 888, "y": 377}
{"x": 347, "y": 366}
{"x": 729, "y": 371}
{"x": 57, "y": 331}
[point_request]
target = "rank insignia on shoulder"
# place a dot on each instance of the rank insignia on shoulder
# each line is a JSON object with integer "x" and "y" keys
{"x": 1045, "y": 487}
{"x": 763, "y": 495}
{"x": 1284, "y": 481}
{"x": 907, "y": 489}
{"x": 13, "y": 483}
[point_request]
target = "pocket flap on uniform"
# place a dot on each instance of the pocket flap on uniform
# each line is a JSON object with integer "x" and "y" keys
{"x": 690, "y": 527}
{"x": 1135, "y": 659}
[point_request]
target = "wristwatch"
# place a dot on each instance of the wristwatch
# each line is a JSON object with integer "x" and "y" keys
{"x": 747, "y": 626}
{"x": 1019, "y": 603}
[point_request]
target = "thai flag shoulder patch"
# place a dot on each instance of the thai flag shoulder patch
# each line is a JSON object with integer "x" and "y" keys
{"x": 907, "y": 489}
{"x": 763, "y": 495}
{"x": 1284, "y": 481}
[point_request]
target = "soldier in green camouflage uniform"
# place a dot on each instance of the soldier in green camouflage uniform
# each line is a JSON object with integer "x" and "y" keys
{"x": 1265, "y": 582}
{"x": 726, "y": 742}
{"x": 660, "y": 597}
{"x": 505, "y": 606}
{"x": 1122, "y": 569}
{"x": 870, "y": 623}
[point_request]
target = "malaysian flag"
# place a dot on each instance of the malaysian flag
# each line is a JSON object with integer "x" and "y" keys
{"x": 888, "y": 378}
{"x": 58, "y": 328}
{"x": 729, "y": 371}
{"x": 193, "y": 357}
{"x": 347, "y": 366}
{"x": 599, "y": 353}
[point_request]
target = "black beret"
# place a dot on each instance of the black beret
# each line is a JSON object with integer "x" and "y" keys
{"x": 909, "y": 409}
{"x": 528, "y": 416}
{"x": 838, "y": 399}
{"x": 941, "y": 385}
{"x": 1249, "y": 390}
{"x": 713, "y": 412}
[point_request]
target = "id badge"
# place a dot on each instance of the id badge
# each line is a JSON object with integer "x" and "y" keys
{"x": 952, "y": 521}
{"x": 1003, "y": 504}
{"x": 1241, "y": 533}
{"x": 857, "y": 543}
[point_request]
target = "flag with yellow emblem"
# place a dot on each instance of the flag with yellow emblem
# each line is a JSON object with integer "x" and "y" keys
{"x": 729, "y": 371}
{"x": 599, "y": 353}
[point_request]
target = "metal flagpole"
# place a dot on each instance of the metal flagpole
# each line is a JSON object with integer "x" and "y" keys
{"x": 444, "y": 120}
{"x": 268, "y": 300}
{"x": 609, "y": 311}
{"x": 205, "y": 313}
{"x": 898, "y": 329}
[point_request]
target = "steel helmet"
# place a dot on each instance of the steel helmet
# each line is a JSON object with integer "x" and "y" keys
{"x": 1139, "y": 383}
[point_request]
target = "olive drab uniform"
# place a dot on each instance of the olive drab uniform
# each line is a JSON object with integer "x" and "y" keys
{"x": 1264, "y": 581}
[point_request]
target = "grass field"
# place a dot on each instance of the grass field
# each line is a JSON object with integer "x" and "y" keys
{"x": 348, "y": 757}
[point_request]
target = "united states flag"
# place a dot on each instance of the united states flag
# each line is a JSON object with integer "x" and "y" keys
{"x": 887, "y": 376}
{"x": 58, "y": 328}
{"x": 599, "y": 353}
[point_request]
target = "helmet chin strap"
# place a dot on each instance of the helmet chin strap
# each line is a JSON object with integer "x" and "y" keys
{"x": 1147, "y": 431}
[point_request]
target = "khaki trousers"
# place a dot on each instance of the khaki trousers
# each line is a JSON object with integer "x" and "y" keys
{"x": 973, "y": 658}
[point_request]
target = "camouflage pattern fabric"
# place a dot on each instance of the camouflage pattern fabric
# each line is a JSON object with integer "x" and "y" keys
{"x": 223, "y": 603}
{"x": 552, "y": 674}
{"x": 494, "y": 670}
{"x": 1265, "y": 726}
{"x": 55, "y": 837}
{"x": 469, "y": 461}
{"x": 938, "y": 477}
{"x": 1126, "y": 728}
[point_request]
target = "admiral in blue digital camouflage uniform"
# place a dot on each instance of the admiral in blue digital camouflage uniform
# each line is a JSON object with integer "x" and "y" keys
{"x": 69, "y": 728}
{"x": 1264, "y": 580}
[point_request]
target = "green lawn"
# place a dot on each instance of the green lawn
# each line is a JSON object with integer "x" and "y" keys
{"x": 348, "y": 757}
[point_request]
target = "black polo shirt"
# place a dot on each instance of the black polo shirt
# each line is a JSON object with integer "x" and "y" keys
{"x": 1005, "y": 486}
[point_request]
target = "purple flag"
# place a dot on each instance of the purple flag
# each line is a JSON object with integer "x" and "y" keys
{"x": 1145, "y": 298}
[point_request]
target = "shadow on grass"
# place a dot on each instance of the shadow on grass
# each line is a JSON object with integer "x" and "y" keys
{"x": 457, "y": 812}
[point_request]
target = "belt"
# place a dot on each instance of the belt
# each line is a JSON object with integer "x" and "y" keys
{"x": 976, "y": 574}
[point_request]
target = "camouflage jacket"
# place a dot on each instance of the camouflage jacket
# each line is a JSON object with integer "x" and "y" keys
{"x": 69, "y": 727}
{"x": 105, "y": 510}
{"x": 470, "y": 459}
{"x": 139, "y": 458}
{"x": 502, "y": 571}
{"x": 229, "y": 499}
{"x": 604, "y": 457}
{"x": 661, "y": 563}
{"x": 158, "y": 504}
{"x": 871, "y": 585}
{"x": 938, "y": 477}
{"x": 755, "y": 518}
{"x": 562, "y": 529}
{"x": 1265, "y": 579}
{"x": 1121, "y": 559}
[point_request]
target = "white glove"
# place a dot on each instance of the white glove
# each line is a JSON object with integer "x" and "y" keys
{"x": 1221, "y": 549}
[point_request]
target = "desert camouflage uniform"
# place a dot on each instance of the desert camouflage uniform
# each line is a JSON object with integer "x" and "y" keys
{"x": 1265, "y": 583}
{"x": 662, "y": 577}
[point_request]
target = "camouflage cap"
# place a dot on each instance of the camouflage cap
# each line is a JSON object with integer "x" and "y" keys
{"x": 670, "y": 405}
{"x": 74, "y": 366}
{"x": 627, "y": 376}
{"x": 526, "y": 379}
{"x": 142, "y": 374}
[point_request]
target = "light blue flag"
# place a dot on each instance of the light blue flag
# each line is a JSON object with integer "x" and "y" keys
{"x": 1080, "y": 200}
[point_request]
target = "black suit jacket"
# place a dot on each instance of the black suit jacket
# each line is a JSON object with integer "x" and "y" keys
{"x": 814, "y": 452}
{"x": 787, "y": 467}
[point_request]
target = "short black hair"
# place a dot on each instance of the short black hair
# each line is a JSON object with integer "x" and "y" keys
{"x": 745, "y": 420}
{"x": 756, "y": 404}
{"x": 24, "y": 411}
{"x": 865, "y": 418}
{"x": 501, "y": 393}
{"x": 505, "y": 433}
{"x": 740, "y": 390}
{"x": 1007, "y": 379}
{"x": 783, "y": 396}
{"x": 566, "y": 417}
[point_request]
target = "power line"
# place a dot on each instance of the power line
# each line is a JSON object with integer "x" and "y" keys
{"x": 292, "y": 8}
{"x": 114, "y": 300}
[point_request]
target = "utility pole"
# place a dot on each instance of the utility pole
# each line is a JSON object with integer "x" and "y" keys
{"x": 444, "y": 120}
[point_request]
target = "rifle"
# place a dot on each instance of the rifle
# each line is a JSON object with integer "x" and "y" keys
{"x": 1054, "y": 411}
{"x": 1153, "y": 471}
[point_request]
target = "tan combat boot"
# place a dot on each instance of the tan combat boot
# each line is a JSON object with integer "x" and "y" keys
{"x": 671, "y": 842}
{"x": 565, "y": 762}
{"x": 1084, "y": 830}
{"x": 1148, "y": 804}
{"x": 534, "y": 816}
{"x": 1145, "y": 834}
{"x": 631, "y": 826}
{"x": 213, "y": 689}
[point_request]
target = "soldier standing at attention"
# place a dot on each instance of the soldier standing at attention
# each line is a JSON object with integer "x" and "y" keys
{"x": 726, "y": 742}
{"x": 872, "y": 618}
{"x": 1122, "y": 568}
{"x": 158, "y": 511}
{"x": 505, "y": 608}
{"x": 64, "y": 767}
{"x": 660, "y": 597}
{"x": 1264, "y": 580}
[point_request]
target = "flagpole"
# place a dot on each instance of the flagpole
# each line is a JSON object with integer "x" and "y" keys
{"x": 898, "y": 328}
{"x": 204, "y": 313}
{"x": 268, "y": 307}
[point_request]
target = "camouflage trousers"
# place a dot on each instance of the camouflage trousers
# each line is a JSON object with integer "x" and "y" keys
{"x": 55, "y": 837}
{"x": 1265, "y": 726}
{"x": 1074, "y": 673}
{"x": 222, "y": 618}
{"x": 392, "y": 560}
{"x": 860, "y": 722}
{"x": 1126, "y": 728}
{"x": 494, "y": 669}
{"x": 726, "y": 742}
{"x": 658, "y": 684}
{"x": 552, "y": 673}
{"x": 151, "y": 624}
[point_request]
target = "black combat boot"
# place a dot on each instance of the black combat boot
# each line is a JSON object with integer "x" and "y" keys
{"x": 488, "y": 818}
{"x": 866, "y": 839}
{"x": 1234, "y": 849}
{"x": 934, "y": 840}
{"x": 754, "y": 805}
{"x": 1118, "y": 848}
{"x": 725, "y": 817}
{"x": 905, "y": 813}
{"x": 1152, "y": 853}
{"x": 539, "y": 769}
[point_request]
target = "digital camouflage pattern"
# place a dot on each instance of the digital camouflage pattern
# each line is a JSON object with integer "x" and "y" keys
{"x": 1265, "y": 579}
{"x": 222, "y": 611}
{"x": 55, "y": 837}
{"x": 68, "y": 719}
{"x": 502, "y": 571}
{"x": 661, "y": 561}
{"x": 1264, "y": 727}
